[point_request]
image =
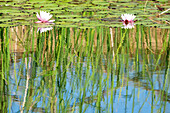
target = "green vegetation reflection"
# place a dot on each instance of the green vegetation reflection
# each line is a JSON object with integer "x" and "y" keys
{"x": 84, "y": 70}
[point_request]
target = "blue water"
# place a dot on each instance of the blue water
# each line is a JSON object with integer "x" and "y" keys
{"x": 135, "y": 96}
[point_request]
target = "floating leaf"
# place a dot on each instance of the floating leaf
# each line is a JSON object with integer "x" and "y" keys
{"x": 165, "y": 27}
{"x": 68, "y": 16}
{"x": 5, "y": 19}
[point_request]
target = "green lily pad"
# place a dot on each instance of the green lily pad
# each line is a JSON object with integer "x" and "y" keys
{"x": 5, "y": 19}
{"x": 100, "y": 2}
{"x": 165, "y": 27}
{"x": 68, "y": 16}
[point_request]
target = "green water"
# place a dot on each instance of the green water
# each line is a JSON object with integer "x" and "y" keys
{"x": 85, "y": 62}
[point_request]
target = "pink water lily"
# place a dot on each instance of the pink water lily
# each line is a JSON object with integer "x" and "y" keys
{"x": 128, "y": 21}
{"x": 44, "y": 17}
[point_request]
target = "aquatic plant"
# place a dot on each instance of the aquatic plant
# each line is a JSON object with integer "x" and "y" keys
{"x": 44, "y": 29}
{"x": 44, "y": 17}
{"x": 86, "y": 62}
{"x": 128, "y": 21}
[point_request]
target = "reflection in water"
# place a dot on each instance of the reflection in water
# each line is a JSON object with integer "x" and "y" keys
{"x": 44, "y": 29}
{"x": 62, "y": 74}
{"x": 44, "y": 17}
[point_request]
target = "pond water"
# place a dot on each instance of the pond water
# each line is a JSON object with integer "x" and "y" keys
{"x": 85, "y": 61}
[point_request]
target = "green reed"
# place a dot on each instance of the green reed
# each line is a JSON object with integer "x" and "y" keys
{"x": 86, "y": 60}
{"x": 5, "y": 61}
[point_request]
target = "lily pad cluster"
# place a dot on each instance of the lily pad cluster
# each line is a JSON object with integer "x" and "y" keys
{"x": 85, "y": 13}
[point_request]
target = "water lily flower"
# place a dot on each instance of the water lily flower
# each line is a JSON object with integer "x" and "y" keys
{"x": 43, "y": 29}
{"x": 128, "y": 26}
{"x": 128, "y": 20}
{"x": 44, "y": 17}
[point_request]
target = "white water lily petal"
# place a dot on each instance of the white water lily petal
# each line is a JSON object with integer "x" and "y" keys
{"x": 128, "y": 21}
{"x": 44, "y": 17}
{"x": 38, "y": 16}
{"x": 129, "y": 17}
{"x": 123, "y": 17}
{"x": 128, "y": 26}
{"x": 132, "y": 17}
{"x": 38, "y": 22}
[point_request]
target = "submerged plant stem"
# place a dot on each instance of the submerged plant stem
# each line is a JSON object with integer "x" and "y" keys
{"x": 120, "y": 45}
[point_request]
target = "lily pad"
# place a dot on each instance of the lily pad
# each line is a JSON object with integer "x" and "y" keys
{"x": 165, "y": 27}
{"x": 68, "y": 16}
{"x": 5, "y": 19}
